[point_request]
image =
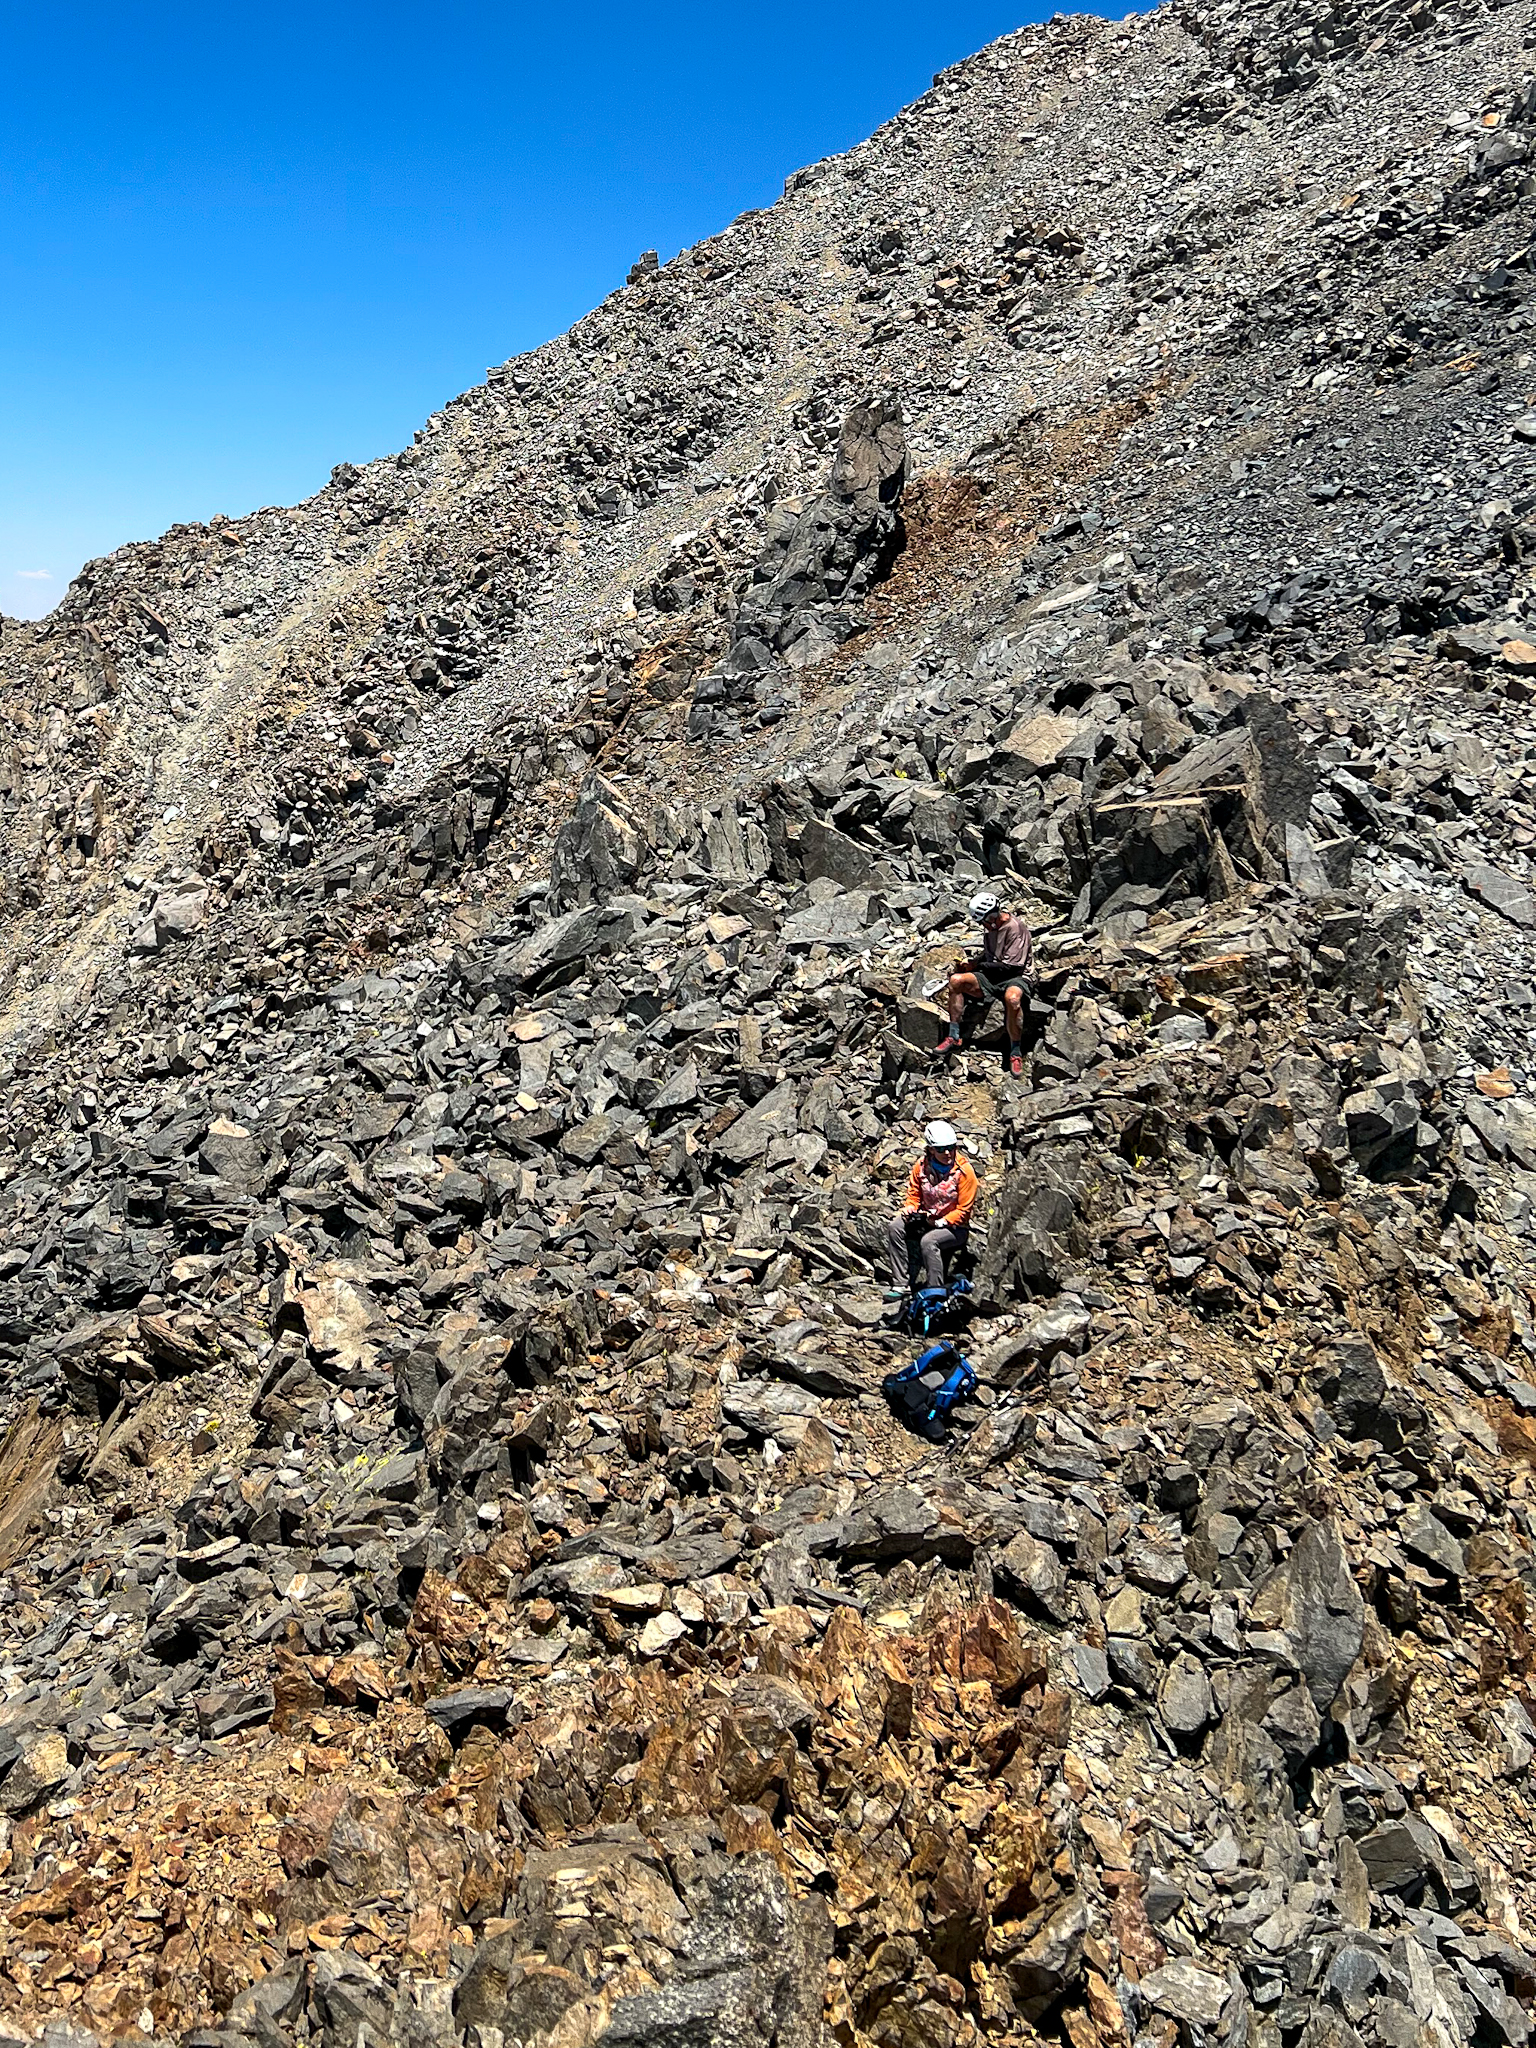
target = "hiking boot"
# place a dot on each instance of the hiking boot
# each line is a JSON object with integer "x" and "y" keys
{"x": 953, "y": 1043}
{"x": 1016, "y": 1062}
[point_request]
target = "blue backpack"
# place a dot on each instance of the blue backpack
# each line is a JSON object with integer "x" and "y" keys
{"x": 923, "y": 1310}
{"x": 924, "y": 1392}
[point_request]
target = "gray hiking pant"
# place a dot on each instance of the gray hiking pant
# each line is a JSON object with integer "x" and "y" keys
{"x": 919, "y": 1248}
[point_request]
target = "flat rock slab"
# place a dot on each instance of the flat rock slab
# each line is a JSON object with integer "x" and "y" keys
{"x": 1500, "y": 892}
{"x": 1186, "y": 1992}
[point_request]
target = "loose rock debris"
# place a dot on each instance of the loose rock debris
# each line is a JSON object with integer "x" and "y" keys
{"x": 468, "y": 1008}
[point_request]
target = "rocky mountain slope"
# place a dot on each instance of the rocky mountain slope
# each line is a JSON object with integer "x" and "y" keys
{"x": 463, "y": 1031}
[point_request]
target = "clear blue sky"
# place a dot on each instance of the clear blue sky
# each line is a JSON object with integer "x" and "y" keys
{"x": 243, "y": 243}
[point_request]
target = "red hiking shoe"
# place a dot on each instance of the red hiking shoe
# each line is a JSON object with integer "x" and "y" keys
{"x": 953, "y": 1043}
{"x": 1016, "y": 1062}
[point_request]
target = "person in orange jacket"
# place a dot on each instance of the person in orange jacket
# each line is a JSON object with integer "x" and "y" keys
{"x": 934, "y": 1221}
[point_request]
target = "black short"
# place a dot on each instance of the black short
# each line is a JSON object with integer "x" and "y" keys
{"x": 996, "y": 981}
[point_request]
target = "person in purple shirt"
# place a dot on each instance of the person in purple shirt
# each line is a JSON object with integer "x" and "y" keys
{"x": 1005, "y": 969}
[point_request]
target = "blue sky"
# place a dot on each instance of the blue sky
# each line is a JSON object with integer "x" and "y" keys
{"x": 241, "y": 244}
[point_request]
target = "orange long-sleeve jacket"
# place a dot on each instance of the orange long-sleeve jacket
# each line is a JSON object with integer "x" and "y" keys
{"x": 948, "y": 1198}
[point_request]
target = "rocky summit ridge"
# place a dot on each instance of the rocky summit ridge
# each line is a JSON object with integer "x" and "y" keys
{"x": 463, "y": 1029}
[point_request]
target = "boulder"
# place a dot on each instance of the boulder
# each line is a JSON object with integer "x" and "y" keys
{"x": 1312, "y": 1601}
{"x": 579, "y": 935}
{"x": 599, "y": 851}
{"x": 1500, "y": 892}
{"x": 1186, "y": 1991}
{"x": 749, "y": 1137}
{"x": 177, "y": 910}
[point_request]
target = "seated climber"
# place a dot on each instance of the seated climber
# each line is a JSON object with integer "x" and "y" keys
{"x": 1006, "y": 969}
{"x": 934, "y": 1220}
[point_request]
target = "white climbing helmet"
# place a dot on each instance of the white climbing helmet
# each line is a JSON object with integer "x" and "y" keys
{"x": 984, "y": 904}
{"x": 940, "y": 1137}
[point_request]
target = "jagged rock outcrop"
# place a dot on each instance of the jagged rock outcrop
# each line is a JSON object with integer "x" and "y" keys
{"x": 801, "y": 602}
